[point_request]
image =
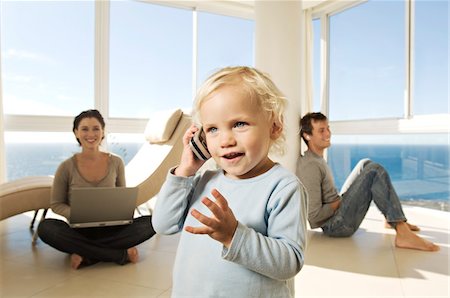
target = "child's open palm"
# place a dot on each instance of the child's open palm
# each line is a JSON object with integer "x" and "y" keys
{"x": 221, "y": 226}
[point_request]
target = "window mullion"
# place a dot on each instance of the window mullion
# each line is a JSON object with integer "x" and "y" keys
{"x": 325, "y": 64}
{"x": 194, "y": 51}
{"x": 409, "y": 53}
{"x": 101, "y": 63}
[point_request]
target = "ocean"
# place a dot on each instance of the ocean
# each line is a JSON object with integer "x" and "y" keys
{"x": 419, "y": 173}
{"x": 31, "y": 159}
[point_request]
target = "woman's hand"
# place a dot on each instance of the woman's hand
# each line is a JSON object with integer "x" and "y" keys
{"x": 189, "y": 163}
{"x": 221, "y": 226}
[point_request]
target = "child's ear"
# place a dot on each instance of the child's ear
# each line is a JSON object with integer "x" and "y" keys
{"x": 276, "y": 130}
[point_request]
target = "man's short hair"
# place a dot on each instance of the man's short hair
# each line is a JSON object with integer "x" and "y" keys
{"x": 306, "y": 123}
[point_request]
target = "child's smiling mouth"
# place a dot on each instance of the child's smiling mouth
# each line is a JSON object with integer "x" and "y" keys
{"x": 232, "y": 155}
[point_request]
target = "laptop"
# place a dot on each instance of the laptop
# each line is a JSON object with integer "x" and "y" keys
{"x": 102, "y": 206}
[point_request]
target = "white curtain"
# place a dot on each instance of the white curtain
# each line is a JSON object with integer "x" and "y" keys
{"x": 307, "y": 78}
{"x": 2, "y": 137}
{"x": 306, "y": 102}
{"x": 2, "y": 131}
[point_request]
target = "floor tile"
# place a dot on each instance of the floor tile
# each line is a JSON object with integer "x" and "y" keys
{"x": 18, "y": 279}
{"x": 83, "y": 286}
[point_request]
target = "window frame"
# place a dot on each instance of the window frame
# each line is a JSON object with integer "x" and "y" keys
{"x": 409, "y": 123}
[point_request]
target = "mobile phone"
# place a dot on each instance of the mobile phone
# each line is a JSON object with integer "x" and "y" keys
{"x": 198, "y": 145}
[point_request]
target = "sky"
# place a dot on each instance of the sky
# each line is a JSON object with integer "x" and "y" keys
{"x": 368, "y": 64}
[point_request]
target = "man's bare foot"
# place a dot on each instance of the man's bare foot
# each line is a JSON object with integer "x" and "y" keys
{"x": 411, "y": 227}
{"x": 75, "y": 261}
{"x": 418, "y": 243}
{"x": 407, "y": 239}
{"x": 133, "y": 255}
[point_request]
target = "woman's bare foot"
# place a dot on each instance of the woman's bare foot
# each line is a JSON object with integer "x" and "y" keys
{"x": 411, "y": 227}
{"x": 133, "y": 255}
{"x": 407, "y": 239}
{"x": 75, "y": 261}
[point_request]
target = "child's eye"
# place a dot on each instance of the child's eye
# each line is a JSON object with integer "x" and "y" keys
{"x": 211, "y": 129}
{"x": 240, "y": 124}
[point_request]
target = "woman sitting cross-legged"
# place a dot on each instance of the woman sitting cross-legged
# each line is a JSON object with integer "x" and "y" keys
{"x": 91, "y": 168}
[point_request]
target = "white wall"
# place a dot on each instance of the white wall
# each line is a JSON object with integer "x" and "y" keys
{"x": 278, "y": 52}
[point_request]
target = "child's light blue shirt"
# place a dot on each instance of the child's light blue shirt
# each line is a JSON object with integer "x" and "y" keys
{"x": 268, "y": 246}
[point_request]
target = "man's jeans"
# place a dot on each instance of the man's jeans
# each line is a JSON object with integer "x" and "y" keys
{"x": 367, "y": 182}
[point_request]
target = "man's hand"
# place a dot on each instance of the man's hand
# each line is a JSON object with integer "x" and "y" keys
{"x": 336, "y": 204}
{"x": 221, "y": 226}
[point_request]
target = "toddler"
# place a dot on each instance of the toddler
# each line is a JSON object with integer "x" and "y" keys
{"x": 243, "y": 227}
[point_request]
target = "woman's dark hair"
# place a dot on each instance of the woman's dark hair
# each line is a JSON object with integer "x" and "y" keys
{"x": 88, "y": 114}
{"x": 306, "y": 123}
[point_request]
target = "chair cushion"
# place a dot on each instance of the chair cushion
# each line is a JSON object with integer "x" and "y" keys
{"x": 25, "y": 194}
{"x": 26, "y": 183}
{"x": 161, "y": 125}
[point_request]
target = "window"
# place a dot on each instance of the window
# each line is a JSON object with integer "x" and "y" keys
{"x": 368, "y": 76}
{"x": 223, "y": 41}
{"x": 47, "y": 57}
{"x": 150, "y": 59}
{"x": 431, "y": 58}
{"x": 418, "y": 171}
{"x": 126, "y": 145}
{"x": 37, "y": 153}
{"x": 316, "y": 65}
{"x": 367, "y": 61}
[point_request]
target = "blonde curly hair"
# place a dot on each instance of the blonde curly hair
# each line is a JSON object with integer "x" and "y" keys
{"x": 257, "y": 85}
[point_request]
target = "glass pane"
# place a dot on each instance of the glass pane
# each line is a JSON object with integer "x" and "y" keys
{"x": 417, "y": 164}
{"x": 37, "y": 153}
{"x": 47, "y": 56}
{"x": 316, "y": 65}
{"x": 223, "y": 41}
{"x": 431, "y": 58}
{"x": 150, "y": 59}
{"x": 367, "y": 61}
{"x": 125, "y": 145}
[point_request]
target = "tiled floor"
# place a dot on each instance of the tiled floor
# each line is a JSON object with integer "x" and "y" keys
{"x": 365, "y": 265}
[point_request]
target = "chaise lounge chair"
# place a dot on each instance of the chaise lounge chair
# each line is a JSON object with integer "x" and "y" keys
{"x": 25, "y": 194}
{"x": 149, "y": 167}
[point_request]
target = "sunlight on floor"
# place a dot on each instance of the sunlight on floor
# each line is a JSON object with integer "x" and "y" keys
{"x": 365, "y": 265}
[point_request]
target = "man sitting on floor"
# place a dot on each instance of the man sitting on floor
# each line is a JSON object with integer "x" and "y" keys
{"x": 340, "y": 215}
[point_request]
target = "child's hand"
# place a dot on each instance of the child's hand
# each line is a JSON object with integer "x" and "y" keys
{"x": 221, "y": 226}
{"x": 189, "y": 164}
